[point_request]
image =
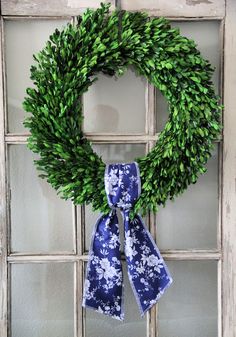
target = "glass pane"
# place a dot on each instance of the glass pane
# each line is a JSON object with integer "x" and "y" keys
{"x": 110, "y": 153}
{"x": 206, "y": 35}
{"x": 112, "y": 105}
{"x": 40, "y": 220}
{"x": 120, "y": 153}
{"x": 98, "y": 325}
{"x": 189, "y": 307}
{"x": 42, "y": 300}
{"x": 190, "y": 221}
{"x": 23, "y": 38}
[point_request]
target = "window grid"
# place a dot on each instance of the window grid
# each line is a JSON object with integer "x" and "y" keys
{"x": 79, "y": 222}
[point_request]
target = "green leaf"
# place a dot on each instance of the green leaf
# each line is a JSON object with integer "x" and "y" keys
{"x": 68, "y": 65}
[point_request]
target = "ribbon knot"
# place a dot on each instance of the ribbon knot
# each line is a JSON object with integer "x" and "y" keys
{"x": 147, "y": 271}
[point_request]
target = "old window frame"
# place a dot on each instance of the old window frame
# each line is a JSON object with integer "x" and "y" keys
{"x": 225, "y": 254}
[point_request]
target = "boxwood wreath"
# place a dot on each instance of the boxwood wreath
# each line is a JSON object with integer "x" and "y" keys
{"x": 109, "y": 42}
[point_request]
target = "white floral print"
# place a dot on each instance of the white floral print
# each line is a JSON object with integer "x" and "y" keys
{"x": 147, "y": 270}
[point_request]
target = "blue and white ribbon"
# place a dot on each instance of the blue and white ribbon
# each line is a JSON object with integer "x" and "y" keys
{"x": 148, "y": 273}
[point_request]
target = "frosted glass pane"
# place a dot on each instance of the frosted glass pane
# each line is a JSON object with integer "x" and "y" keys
{"x": 190, "y": 221}
{"x": 112, "y": 105}
{"x": 189, "y": 307}
{"x": 42, "y": 300}
{"x": 206, "y": 35}
{"x": 98, "y": 325}
{"x": 40, "y": 220}
{"x": 23, "y": 38}
{"x": 110, "y": 153}
{"x": 119, "y": 153}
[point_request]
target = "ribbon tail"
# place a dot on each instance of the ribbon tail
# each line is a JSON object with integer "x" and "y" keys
{"x": 103, "y": 283}
{"x": 148, "y": 273}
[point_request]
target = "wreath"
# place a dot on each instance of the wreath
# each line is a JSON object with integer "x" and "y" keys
{"x": 106, "y": 42}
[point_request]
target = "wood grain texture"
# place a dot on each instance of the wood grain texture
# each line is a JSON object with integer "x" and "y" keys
{"x": 48, "y": 7}
{"x": 229, "y": 175}
{"x": 80, "y": 314}
{"x": 3, "y": 213}
{"x": 98, "y": 138}
{"x": 177, "y": 8}
{"x": 60, "y": 257}
{"x": 150, "y": 111}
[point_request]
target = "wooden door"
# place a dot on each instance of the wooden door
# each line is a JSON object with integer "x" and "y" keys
{"x": 44, "y": 240}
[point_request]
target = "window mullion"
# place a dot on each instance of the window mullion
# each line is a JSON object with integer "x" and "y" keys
{"x": 3, "y": 214}
{"x": 152, "y": 330}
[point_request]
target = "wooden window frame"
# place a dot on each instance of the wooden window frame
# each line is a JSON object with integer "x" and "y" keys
{"x": 225, "y": 254}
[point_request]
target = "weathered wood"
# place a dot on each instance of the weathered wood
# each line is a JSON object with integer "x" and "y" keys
{"x": 80, "y": 230}
{"x": 174, "y": 8}
{"x": 229, "y": 175}
{"x": 48, "y": 8}
{"x": 220, "y": 196}
{"x": 74, "y": 220}
{"x": 80, "y": 310}
{"x": 60, "y": 257}
{"x": 14, "y": 138}
{"x": 78, "y": 294}
{"x": 219, "y": 297}
{"x": 191, "y": 255}
{"x": 177, "y": 8}
{"x": 76, "y": 318}
{"x": 146, "y": 108}
{"x": 3, "y": 213}
{"x": 152, "y": 328}
{"x": 97, "y": 138}
{"x": 151, "y": 112}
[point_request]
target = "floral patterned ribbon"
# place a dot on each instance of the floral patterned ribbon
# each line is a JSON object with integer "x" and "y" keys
{"x": 148, "y": 273}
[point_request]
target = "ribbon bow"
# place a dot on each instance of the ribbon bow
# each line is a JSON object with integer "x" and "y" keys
{"x": 147, "y": 271}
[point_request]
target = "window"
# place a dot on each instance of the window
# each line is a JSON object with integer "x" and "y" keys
{"x": 45, "y": 240}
